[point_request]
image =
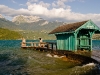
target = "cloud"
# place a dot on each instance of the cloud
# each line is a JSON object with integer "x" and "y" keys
{"x": 37, "y": 9}
{"x": 12, "y": 12}
{"x": 44, "y": 4}
{"x": 59, "y": 3}
{"x": 82, "y": 0}
{"x": 42, "y": 9}
{"x": 32, "y": 1}
{"x": 14, "y": 1}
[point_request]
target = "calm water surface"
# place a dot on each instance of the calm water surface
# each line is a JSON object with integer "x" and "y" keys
{"x": 15, "y": 44}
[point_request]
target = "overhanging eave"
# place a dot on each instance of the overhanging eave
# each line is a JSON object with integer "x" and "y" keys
{"x": 64, "y": 32}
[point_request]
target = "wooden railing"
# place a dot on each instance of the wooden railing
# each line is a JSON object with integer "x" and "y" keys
{"x": 39, "y": 45}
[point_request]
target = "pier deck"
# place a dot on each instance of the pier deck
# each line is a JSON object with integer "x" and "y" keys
{"x": 39, "y": 45}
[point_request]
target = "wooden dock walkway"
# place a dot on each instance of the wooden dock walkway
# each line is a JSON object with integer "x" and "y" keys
{"x": 52, "y": 48}
{"x": 39, "y": 45}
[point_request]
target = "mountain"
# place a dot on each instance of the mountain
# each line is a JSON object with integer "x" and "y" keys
{"x": 34, "y": 23}
{"x": 32, "y": 26}
{"x": 6, "y": 34}
{"x": 1, "y": 16}
{"x": 39, "y": 26}
{"x": 7, "y": 24}
{"x": 4, "y": 23}
{"x": 25, "y": 19}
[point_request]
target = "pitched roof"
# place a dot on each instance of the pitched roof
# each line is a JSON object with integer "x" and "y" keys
{"x": 68, "y": 27}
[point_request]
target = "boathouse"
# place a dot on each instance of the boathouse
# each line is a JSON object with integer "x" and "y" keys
{"x": 75, "y": 36}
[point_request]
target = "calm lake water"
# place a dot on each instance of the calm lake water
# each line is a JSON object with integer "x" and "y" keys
{"x": 7, "y": 44}
{"x": 16, "y": 45}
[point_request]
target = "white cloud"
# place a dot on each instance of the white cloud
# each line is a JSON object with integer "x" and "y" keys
{"x": 61, "y": 3}
{"x": 44, "y": 4}
{"x": 12, "y": 12}
{"x": 37, "y": 9}
{"x": 63, "y": 12}
{"x": 14, "y": 1}
{"x": 32, "y": 1}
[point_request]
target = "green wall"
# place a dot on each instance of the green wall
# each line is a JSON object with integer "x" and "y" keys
{"x": 81, "y": 38}
{"x": 65, "y": 42}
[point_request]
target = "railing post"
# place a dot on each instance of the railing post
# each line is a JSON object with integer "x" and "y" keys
{"x": 34, "y": 44}
{"x": 52, "y": 46}
{"x": 31, "y": 44}
{"x": 47, "y": 45}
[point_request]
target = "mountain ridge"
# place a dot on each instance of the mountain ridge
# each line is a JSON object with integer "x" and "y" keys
{"x": 35, "y": 23}
{"x": 25, "y": 19}
{"x": 32, "y": 29}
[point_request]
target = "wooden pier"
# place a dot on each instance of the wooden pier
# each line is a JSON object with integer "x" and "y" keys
{"x": 52, "y": 48}
{"x": 39, "y": 45}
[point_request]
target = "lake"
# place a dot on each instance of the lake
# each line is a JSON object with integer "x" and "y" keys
{"x": 16, "y": 61}
{"x": 17, "y": 43}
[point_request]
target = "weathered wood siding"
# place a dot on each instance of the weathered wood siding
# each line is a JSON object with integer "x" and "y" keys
{"x": 65, "y": 42}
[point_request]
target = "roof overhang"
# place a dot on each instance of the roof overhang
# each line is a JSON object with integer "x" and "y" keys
{"x": 64, "y": 32}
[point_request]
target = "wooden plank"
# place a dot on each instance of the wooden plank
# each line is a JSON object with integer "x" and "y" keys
{"x": 35, "y": 45}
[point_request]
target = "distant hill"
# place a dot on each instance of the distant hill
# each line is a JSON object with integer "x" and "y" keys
{"x": 35, "y": 35}
{"x": 6, "y": 34}
{"x": 96, "y": 36}
{"x": 7, "y": 24}
{"x": 25, "y": 19}
{"x": 34, "y": 23}
{"x": 32, "y": 27}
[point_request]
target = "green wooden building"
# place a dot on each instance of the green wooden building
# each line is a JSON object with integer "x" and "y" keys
{"x": 75, "y": 36}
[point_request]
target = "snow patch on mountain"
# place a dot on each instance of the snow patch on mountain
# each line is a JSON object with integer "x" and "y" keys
{"x": 25, "y": 19}
{"x": 1, "y": 16}
{"x": 44, "y": 23}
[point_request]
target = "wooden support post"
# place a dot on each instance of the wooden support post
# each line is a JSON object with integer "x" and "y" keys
{"x": 47, "y": 46}
{"x": 52, "y": 46}
{"x": 55, "y": 46}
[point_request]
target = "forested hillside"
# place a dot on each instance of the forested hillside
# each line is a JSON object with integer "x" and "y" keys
{"x": 34, "y": 35}
{"x": 6, "y": 34}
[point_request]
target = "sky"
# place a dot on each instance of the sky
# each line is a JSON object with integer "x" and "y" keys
{"x": 61, "y": 10}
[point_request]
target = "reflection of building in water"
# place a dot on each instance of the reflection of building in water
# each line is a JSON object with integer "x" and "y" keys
{"x": 23, "y": 42}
